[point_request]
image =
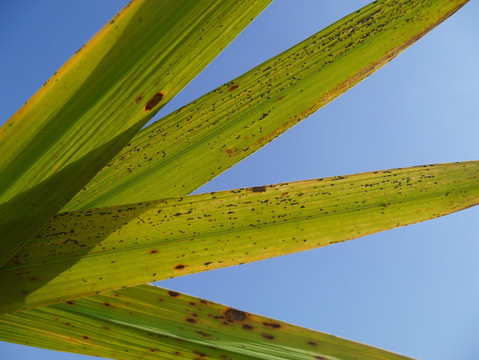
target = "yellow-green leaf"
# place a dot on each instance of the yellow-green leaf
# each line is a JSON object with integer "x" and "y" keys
{"x": 191, "y": 146}
{"x": 88, "y": 111}
{"x": 83, "y": 252}
{"x": 147, "y": 322}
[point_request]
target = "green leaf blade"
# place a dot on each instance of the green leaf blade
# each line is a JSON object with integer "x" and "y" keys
{"x": 152, "y": 323}
{"x": 99, "y": 99}
{"x": 80, "y": 253}
{"x": 196, "y": 143}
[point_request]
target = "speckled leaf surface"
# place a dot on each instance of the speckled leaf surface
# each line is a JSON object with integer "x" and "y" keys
{"x": 88, "y": 111}
{"x": 191, "y": 146}
{"x": 81, "y": 253}
{"x": 147, "y": 322}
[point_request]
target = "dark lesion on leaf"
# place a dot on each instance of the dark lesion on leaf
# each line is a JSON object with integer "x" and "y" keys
{"x": 154, "y": 101}
{"x": 272, "y": 325}
{"x": 233, "y": 87}
{"x": 173, "y": 293}
{"x": 233, "y": 314}
{"x": 259, "y": 189}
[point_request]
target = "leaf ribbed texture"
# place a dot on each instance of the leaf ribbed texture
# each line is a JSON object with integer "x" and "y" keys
{"x": 89, "y": 110}
{"x": 83, "y": 252}
{"x": 147, "y": 322}
{"x": 186, "y": 149}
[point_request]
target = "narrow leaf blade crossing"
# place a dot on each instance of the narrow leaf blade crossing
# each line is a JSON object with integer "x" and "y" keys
{"x": 147, "y": 322}
{"x": 81, "y": 253}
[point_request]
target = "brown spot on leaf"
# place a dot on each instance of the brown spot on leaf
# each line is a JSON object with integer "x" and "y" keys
{"x": 259, "y": 189}
{"x": 233, "y": 314}
{"x": 173, "y": 293}
{"x": 139, "y": 98}
{"x": 312, "y": 343}
{"x": 232, "y": 151}
{"x": 70, "y": 302}
{"x": 106, "y": 304}
{"x": 317, "y": 357}
{"x": 180, "y": 266}
{"x": 233, "y": 87}
{"x": 272, "y": 325}
{"x": 153, "y": 101}
{"x": 247, "y": 327}
{"x": 85, "y": 337}
{"x": 199, "y": 353}
{"x": 268, "y": 336}
{"x": 202, "y": 333}
{"x": 153, "y": 251}
{"x": 190, "y": 320}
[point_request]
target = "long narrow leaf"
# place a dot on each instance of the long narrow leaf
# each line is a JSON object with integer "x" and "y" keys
{"x": 147, "y": 322}
{"x": 81, "y": 253}
{"x": 188, "y": 148}
{"x": 99, "y": 99}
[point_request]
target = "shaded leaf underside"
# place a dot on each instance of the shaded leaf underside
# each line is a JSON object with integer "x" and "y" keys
{"x": 88, "y": 111}
{"x": 147, "y": 322}
{"x": 80, "y": 253}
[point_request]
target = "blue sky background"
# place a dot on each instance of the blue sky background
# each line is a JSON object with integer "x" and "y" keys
{"x": 412, "y": 290}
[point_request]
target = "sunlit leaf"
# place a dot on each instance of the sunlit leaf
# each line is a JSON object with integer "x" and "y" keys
{"x": 88, "y": 111}
{"x": 191, "y": 146}
{"x": 81, "y": 253}
{"x": 147, "y": 322}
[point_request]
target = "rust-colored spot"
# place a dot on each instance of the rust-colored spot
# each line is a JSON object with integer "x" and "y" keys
{"x": 272, "y": 325}
{"x": 204, "y": 302}
{"x": 17, "y": 262}
{"x": 199, "y": 353}
{"x": 202, "y": 333}
{"x": 177, "y": 353}
{"x": 268, "y": 336}
{"x": 190, "y": 320}
{"x": 232, "y": 151}
{"x": 153, "y": 101}
{"x": 106, "y": 304}
{"x": 234, "y": 314}
{"x": 317, "y": 357}
{"x": 233, "y": 87}
{"x": 70, "y": 302}
{"x": 32, "y": 279}
{"x": 259, "y": 189}
{"x": 180, "y": 266}
{"x": 173, "y": 293}
{"x": 153, "y": 251}
{"x": 139, "y": 98}
{"x": 85, "y": 337}
{"x": 312, "y": 343}
{"x": 247, "y": 327}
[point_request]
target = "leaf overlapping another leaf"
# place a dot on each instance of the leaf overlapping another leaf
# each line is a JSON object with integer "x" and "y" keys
{"x": 89, "y": 110}
{"x": 183, "y": 151}
{"x": 83, "y": 252}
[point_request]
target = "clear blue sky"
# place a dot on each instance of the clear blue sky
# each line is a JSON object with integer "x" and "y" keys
{"x": 412, "y": 290}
